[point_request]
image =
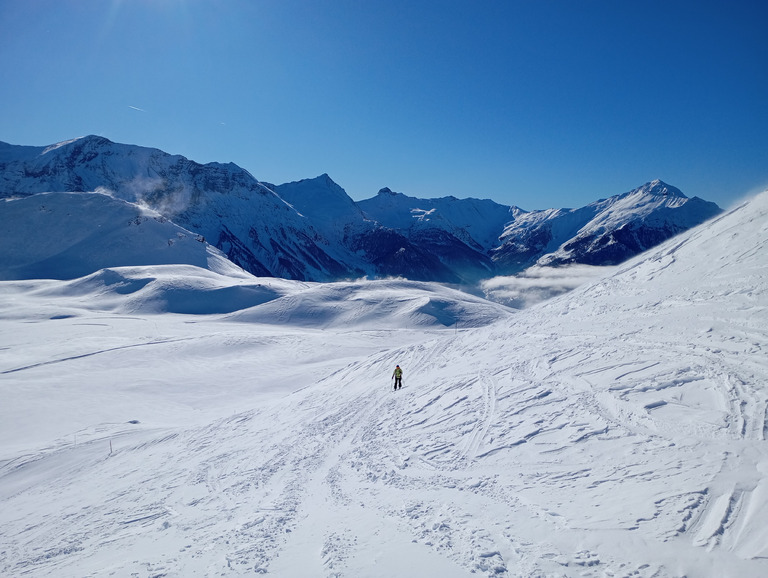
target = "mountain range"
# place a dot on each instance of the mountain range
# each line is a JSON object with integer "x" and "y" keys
{"x": 311, "y": 230}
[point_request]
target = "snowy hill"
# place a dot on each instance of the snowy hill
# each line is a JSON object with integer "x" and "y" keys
{"x": 619, "y": 430}
{"x": 390, "y": 304}
{"x": 68, "y": 235}
{"x": 312, "y": 230}
{"x": 192, "y": 290}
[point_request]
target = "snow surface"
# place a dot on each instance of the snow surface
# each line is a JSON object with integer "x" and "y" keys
{"x": 618, "y": 430}
{"x": 68, "y": 235}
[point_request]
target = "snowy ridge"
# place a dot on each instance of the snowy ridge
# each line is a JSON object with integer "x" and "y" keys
{"x": 605, "y": 232}
{"x": 53, "y": 147}
{"x": 69, "y": 235}
{"x": 475, "y": 222}
{"x": 222, "y": 202}
{"x": 311, "y": 230}
{"x": 619, "y": 430}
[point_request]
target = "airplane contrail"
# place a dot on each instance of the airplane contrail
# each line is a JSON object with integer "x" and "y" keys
{"x": 137, "y": 108}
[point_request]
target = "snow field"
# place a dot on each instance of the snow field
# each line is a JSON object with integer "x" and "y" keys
{"x": 619, "y": 430}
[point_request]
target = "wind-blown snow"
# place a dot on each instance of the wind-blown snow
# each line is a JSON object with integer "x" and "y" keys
{"x": 618, "y": 430}
{"x": 68, "y": 235}
{"x": 58, "y": 145}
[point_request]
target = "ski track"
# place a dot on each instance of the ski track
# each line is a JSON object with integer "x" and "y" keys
{"x": 89, "y": 354}
{"x": 433, "y": 460}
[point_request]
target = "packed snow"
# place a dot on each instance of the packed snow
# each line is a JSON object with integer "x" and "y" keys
{"x": 618, "y": 430}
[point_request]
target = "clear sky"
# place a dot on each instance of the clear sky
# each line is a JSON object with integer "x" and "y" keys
{"x": 536, "y": 103}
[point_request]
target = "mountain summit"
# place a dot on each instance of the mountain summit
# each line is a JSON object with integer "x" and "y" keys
{"x": 606, "y": 232}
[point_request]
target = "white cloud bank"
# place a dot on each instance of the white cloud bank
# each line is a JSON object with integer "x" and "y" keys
{"x": 538, "y": 284}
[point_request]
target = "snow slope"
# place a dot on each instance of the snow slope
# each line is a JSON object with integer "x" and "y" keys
{"x": 68, "y": 235}
{"x": 618, "y": 430}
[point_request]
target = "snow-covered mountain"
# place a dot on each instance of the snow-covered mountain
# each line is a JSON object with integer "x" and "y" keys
{"x": 475, "y": 222}
{"x": 379, "y": 250}
{"x": 618, "y": 430}
{"x": 461, "y": 232}
{"x": 245, "y": 218}
{"x": 251, "y": 224}
{"x": 498, "y": 239}
{"x": 606, "y": 232}
{"x": 312, "y": 230}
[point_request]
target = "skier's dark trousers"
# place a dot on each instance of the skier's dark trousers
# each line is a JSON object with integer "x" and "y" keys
{"x": 398, "y": 376}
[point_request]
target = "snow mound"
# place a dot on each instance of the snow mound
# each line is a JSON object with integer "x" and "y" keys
{"x": 186, "y": 289}
{"x": 169, "y": 289}
{"x": 378, "y": 305}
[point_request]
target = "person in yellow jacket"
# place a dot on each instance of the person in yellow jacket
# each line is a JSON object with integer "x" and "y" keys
{"x": 397, "y": 375}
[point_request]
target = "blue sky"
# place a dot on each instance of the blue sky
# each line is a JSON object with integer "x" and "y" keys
{"x": 535, "y": 103}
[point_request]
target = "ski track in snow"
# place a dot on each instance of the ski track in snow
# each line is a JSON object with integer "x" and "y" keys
{"x": 509, "y": 444}
{"x": 613, "y": 432}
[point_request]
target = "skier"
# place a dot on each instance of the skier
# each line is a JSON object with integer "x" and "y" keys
{"x": 397, "y": 375}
